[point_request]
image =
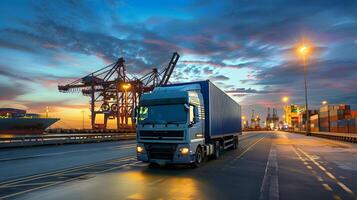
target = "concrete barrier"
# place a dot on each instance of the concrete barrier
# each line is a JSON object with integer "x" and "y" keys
{"x": 346, "y": 137}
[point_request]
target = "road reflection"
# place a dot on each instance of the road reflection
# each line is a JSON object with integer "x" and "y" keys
{"x": 160, "y": 184}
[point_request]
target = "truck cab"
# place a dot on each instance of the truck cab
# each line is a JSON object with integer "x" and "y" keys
{"x": 170, "y": 125}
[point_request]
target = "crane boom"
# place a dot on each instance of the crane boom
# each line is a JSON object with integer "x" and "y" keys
{"x": 169, "y": 69}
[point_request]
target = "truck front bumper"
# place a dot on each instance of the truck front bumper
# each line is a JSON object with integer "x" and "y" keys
{"x": 176, "y": 158}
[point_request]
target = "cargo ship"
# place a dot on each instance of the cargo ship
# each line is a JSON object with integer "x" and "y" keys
{"x": 16, "y": 121}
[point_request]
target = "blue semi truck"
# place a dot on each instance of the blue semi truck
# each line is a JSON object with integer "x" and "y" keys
{"x": 186, "y": 123}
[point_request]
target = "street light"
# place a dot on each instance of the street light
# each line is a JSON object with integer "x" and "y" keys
{"x": 126, "y": 86}
{"x": 324, "y": 102}
{"x": 285, "y": 99}
{"x": 304, "y": 50}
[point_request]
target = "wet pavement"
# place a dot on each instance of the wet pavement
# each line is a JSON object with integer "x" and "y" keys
{"x": 267, "y": 165}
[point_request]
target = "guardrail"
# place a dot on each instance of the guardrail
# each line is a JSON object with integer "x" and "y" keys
{"x": 58, "y": 139}
{"x": 346, "y": 137}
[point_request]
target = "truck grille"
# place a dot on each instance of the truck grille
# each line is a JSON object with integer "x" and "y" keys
{"x": 162, "y": 135}
{"x": 161, "y": 151}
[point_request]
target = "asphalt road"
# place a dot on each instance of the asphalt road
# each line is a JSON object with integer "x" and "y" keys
{"x": 267, "y": 165}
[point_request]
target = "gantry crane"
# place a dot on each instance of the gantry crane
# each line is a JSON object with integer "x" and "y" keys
{"x": 114, "y": 94}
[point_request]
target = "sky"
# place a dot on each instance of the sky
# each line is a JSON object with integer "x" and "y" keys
{"x": 246, "y": 47}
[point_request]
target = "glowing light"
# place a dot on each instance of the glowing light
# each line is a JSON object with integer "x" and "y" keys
{"x": 139, "y": 149}
{"x": 304, "y": 49}
{"x": 184, "y": 150}
{"x": 324, "y": 102}
{"x": 285, "y": 99}
{"x": 126, "y": 86}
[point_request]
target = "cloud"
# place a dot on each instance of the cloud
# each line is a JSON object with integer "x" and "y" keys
{"x": 4, "y": 71}
{"x": 253, "y": 37}
{"x": 253, "y": 91}
{"x": 10, "y": 92}
{"x": 219, "y": 78}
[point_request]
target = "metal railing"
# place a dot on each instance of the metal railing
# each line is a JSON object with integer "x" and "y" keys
{"x": 346, "y": 137}
{"x": 58, "y": 139}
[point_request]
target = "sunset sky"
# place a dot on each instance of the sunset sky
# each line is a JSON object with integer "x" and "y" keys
{"x": 246, "y": 47}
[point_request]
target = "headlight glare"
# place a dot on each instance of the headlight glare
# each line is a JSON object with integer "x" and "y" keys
{"x": 139, "y": 149}
{"x": 184, "y": 150}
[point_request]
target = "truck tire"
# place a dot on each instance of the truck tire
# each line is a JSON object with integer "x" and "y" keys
{"x": 217, "y": 150}
{"x": 198, "y": 157}
{"x": 235, "y": 143}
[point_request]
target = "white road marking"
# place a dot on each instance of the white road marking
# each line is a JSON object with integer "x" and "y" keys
{"x": 323, "y": 184}
{"x": 329, "y": 174}
{"x": 270, "y": 186}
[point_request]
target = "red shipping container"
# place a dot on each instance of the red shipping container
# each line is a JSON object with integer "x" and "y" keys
{"x": 354, "y": 113}
{"x": 353, "y": 129}
{"x": 333, "y": 129}
{"x": 343, "y": 129}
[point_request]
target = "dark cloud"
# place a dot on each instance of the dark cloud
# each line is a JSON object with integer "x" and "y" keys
{"x": 240, "y": 35}
{"x": 219, "y": 78}
{"x": 243, "y": 91}
{"x": 4, "y": 71}
{"x": 10, "y": 92}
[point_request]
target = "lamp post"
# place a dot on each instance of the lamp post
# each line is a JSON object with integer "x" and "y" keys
{"x": 285, "y": 100}
{"x": 303, "y": 50}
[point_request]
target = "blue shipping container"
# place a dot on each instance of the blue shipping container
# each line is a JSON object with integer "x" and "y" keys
{"x": 222, "y": 113}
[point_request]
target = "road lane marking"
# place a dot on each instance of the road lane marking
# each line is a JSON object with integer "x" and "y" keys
{"x": 65, "y": 181}
{"x": 314, "y": 173}
{"x": 81, "y": 167}
{"x": 124, "y": 146}
{"x": 251, "y": 146}
{"x": 329, "y": 174}
{"x": 270, "y": 185}
{"x": 327, "y": 187}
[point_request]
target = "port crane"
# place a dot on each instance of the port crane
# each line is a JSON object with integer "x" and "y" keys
{"x": 115, "y": 94}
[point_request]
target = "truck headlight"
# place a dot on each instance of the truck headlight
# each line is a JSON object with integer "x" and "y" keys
{"x": 139, "y": 149}
{"x": 184, "y": 150}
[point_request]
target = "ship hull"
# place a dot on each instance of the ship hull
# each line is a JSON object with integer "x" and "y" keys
{"x": 25, "y": 126}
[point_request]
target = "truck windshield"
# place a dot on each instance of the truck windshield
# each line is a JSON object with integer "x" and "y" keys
{"x": 162, "y": 114}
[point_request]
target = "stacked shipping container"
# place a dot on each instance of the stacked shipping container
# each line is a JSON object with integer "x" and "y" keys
{"x": 338, "y": 118}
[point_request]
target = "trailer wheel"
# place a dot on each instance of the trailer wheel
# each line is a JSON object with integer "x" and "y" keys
{"x": 198, "y": 157}
{"x": 217, "y": 150}
{"x": 235, "y": 143}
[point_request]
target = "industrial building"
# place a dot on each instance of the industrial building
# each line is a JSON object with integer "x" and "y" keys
{"x": 329, "y": 118}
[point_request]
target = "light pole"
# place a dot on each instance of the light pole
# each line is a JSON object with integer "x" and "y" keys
{"x": 285, "y": 100}
{"x": 304, "y": 50}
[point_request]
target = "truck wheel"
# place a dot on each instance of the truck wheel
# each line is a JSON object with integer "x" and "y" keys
{"x": 235, "y": 144}
{"x": 198, "y": 157}
{"x": 217, "y": 150}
